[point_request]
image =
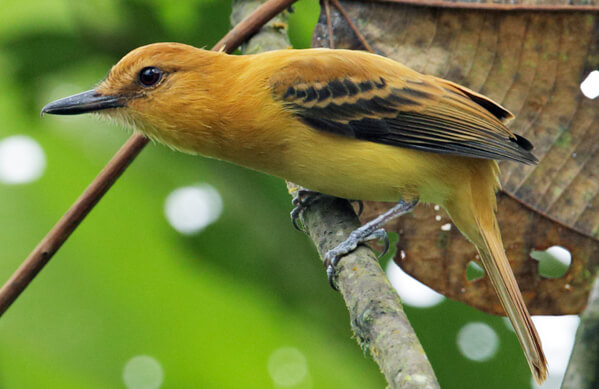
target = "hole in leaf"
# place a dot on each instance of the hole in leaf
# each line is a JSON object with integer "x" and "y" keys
{"x": 590, "y": 86}
{"x": 474, "y": 271}
{"x": 553, "y": 262}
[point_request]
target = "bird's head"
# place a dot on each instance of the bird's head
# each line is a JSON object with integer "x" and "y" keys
{"x": 151, "y": 88}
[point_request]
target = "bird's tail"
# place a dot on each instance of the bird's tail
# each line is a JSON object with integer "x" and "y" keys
{"x": 475, "y": 218}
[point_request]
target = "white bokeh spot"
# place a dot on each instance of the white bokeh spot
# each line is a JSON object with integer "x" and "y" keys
{"x": 557, "y": 336}
{"x": 143, "y": 372}
{"x": 590, "y": 86}
{"x": 477, "y": 341}
{"x": 552, "y": 382}
{"x": 191, "y": 209}
{"x": 22, "y": 160}
{"x": 412, "y": 291}
{"x": 287, "y": 367}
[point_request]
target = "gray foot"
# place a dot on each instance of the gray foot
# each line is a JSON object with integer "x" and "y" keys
{"x": 369, "y": 231}
{"x": 357, "y": 237}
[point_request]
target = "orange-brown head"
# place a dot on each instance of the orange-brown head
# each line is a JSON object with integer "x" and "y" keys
{"x": 158, "y": 89}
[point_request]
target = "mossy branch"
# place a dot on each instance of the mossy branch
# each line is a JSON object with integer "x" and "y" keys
{"x": 582, "y": 372}
{"x": 376, "y": 314}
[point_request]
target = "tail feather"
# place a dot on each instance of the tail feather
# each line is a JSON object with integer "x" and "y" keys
{"x": 500, "y": 273}
{"x": 473, "y": 212}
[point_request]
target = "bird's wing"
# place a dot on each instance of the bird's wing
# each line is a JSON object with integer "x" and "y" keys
{"x": 406, "y": 110}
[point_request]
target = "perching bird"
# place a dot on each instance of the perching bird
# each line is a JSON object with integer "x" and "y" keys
{"x": 345, "y": 123}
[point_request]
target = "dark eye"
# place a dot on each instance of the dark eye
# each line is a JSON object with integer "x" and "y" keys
{"x": 150, "y": 76}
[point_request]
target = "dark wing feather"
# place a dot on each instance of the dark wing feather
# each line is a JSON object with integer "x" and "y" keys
{"x": 427, "y": 114}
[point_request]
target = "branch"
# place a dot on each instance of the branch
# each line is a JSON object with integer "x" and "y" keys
{"x": 44, "y": 251}
{"x": 376, "y": 314}
{"x": 582, "y": 370}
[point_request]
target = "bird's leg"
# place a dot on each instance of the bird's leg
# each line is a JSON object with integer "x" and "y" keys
{"x": 302, "y": 199}
{"x": 369, "y": 231}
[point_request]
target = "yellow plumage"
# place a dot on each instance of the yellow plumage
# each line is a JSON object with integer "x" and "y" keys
{"x": 345, "y": 123}
{"x": 236, "y": 118}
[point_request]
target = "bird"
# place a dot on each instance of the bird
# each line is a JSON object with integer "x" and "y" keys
{"x": 344, "y": 123}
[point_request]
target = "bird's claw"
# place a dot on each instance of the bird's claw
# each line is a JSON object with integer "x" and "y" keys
{"x": 331, "y": 260}
{"x": 332, "y": 257}
{"x": 301, "y": 201}
{"x": 294, "y": 214}
{"x": 331, "y": 276}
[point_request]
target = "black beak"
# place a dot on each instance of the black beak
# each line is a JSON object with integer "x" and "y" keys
{"x": 89, "y": 101}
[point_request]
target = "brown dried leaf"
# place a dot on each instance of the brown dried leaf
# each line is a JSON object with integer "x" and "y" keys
{"x": 532, "y": 63}
{"x": 439, "y": 258}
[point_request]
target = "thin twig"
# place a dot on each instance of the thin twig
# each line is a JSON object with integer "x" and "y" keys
{"x": 272, "y": 36}
{"x": 44, "y": 251}
{"x": 327, "y": 11}
{"x": 250, "y": 25}
{"x": 492, "y": 6}
{"x": 352, "y": 25}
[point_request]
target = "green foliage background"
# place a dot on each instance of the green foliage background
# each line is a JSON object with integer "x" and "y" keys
{"x": 211, "y": 308}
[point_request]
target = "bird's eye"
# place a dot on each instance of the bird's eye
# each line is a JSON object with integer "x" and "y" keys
{"x": 150, "y": 76}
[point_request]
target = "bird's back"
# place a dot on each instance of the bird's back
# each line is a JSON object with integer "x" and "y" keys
{"x": 373, "y": 98}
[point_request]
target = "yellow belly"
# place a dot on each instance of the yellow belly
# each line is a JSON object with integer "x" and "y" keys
{"x": 354, "y": 169}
